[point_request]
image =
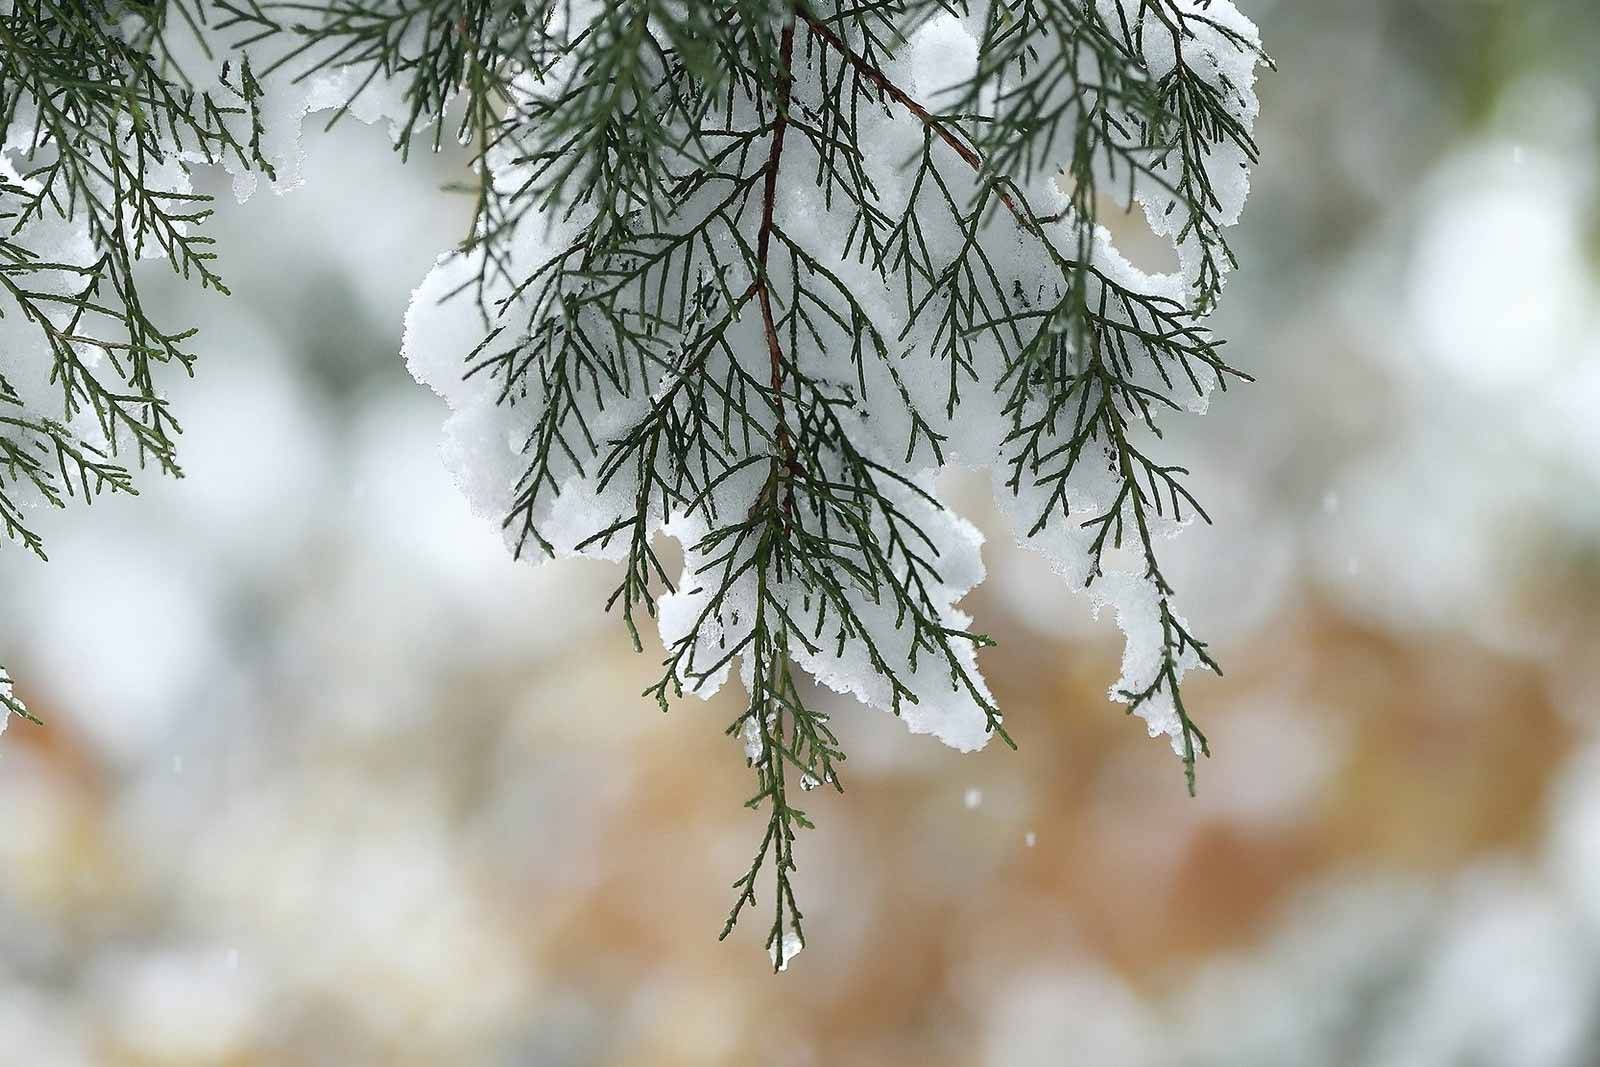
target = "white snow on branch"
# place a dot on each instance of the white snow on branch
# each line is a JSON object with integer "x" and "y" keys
{"x": 882, "y": 393}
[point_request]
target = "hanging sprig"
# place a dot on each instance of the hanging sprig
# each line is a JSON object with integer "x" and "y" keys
{"x": 809, "y": 281}
{"x": 101, "y": 123}
{"x": 100, "y": 127}
{"x": 747, "y": 273}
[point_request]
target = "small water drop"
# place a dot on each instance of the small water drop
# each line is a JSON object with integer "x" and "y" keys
{"x": 791, "y": 948}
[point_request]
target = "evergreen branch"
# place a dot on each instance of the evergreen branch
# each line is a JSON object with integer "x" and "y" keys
{"x": 709, "y": 302}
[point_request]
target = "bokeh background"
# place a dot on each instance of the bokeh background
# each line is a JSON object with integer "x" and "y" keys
{"x": 327, "y": 779}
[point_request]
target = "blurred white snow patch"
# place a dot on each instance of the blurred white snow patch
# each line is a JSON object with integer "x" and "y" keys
{"x": 1506, "y": 983}
{"x": 1567, "y": 426}
{"x": 254, "y": 451}
{"x": 1434, "y": 569}
{"x": 1235, "y": 575}
{"x": 1275, "y": 762}
{"x": 147, "y": 613}
{"x": 1080, "y": 1014}
{"x": 180, "y": 1006}
{"x": 1573, "y": 845}
{"x": 1499, "y": 281}
{"x": 407, "y": 502}
{"x": 365, "y": 898}
{"x": 1549, "y": 111}
{"x": 1296, "y": 997}
{"x": 41, "y": 1028}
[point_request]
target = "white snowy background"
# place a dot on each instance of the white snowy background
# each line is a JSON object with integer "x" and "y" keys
{"x": 329, "y": 780}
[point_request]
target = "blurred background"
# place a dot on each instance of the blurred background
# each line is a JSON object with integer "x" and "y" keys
{"x": 327, "y": 779}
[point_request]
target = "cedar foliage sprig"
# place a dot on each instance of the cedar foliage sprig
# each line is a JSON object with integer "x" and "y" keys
{"x": 100, "y": 124}
{"x": 670, "y": 342}
{"x": 98, "y": 120}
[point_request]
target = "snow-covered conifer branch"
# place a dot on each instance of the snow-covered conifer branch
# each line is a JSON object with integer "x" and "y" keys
{"x": 751, "y": 274}
{"x": 841, "y": 281}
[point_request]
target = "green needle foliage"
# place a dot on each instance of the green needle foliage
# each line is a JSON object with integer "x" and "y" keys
{"x": 737, "y": 271}
{"x": 100, "y": 126}
{"x": 100, "y": 129}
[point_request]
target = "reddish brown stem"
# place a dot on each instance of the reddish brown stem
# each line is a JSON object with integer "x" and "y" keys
{"x": 769, "y": 196}
{"x": 877, "y": 77}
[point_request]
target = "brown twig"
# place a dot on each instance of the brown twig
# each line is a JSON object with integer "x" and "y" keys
{"x": 878, "y": 78}
{"x": 1005, "y": 189}
{"x": 769, "y": 196}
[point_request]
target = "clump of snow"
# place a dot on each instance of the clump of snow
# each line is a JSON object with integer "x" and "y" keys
{"x": 943, "y": 56}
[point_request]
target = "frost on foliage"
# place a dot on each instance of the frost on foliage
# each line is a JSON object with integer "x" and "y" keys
{"x": 759, "y": 311}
